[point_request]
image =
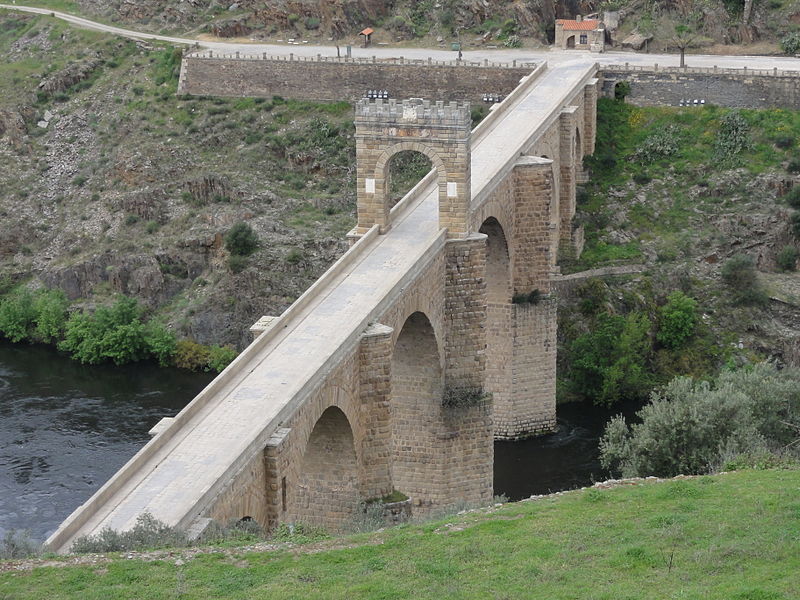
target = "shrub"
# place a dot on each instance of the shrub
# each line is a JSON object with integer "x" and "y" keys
{"x": 533, "y": 297}
{"x": 792, "y": 197}
{"x": 51, "y": 308}
{"x": 609, "y": 363}
{"x": 787, "y": 258}
{"x": 464, "y": 397}
{"x": 784, "y": 142}
{"x": 659, "y": 144}
{"x": 793, "y": 166}
{"x": 17, "y": 316}
{"x": 739, "y": 274}
{"x": 694, "y": 426}
{"x": 18, "y": 544}
{"x": 294, "y": 256}
{"x": 241, "y": 240}
{"x": 151, "y": 227}
{"x": 733, "y": 137}
{"x": 160, "y": 343}
{"x": 677, "y": 320}
{"x": 191, "y": 355}
{"x": 312, "y": 23}
{"x": 116, "y": 333}
{"x": 147, "y": 534}
{"x": 790, "y": 43}
{"x": 621, "y": 90}
{"x": 237, "y": 263}
{"x": 220, "y": 357}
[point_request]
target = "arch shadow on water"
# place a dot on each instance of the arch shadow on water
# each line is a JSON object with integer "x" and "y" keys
{"x": 566, "y": 459}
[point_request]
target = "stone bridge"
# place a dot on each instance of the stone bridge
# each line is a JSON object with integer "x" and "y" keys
{"x": 376, "y": 378}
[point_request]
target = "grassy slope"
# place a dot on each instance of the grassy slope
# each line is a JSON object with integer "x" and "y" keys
{"x": 733, "y": 536}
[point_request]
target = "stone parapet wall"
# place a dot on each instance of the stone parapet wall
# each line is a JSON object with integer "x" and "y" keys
{"x": 738, "y": 88}
{"x": 332, "y": 79}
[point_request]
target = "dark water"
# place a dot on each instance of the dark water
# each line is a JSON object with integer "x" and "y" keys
{"x": 66, "y": 428}
{"x": 563, "y": 460}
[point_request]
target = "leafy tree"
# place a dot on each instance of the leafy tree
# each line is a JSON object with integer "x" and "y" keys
{"x": 17, "y": 316}
{"x": 677, "y": 320}
{"x": 610, "y": 362}
{"x": 694, "y": 426}
{"x": 51, "y": 308}
{"x": 241, "y": 240}
{"x": 116, "y": 333}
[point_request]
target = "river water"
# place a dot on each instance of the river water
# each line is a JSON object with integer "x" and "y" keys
{"x": 66, "y": 428}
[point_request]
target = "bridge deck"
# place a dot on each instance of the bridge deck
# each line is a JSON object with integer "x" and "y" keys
{"x": 173, "y": 482}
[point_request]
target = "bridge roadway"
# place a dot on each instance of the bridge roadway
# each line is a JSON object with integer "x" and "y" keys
{"x": 231, "y": 420}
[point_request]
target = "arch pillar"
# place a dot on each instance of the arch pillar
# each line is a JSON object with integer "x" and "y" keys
{"x": 569, "y": 158}
{"x": 441, "y": 132}
{"x": 527, "y": 384}
{"x": 468, "y": 432}
{"x": 375, "y": 392}
{"x": 590, "y": 93}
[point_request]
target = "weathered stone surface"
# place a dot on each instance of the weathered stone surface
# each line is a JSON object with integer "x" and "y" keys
{"x": 332, "y": 80}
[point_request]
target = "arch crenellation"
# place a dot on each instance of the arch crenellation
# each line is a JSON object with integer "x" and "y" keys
{"x": 439, "y": 131}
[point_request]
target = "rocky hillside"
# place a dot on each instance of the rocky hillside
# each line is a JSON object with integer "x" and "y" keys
{"x": 474, "y": 22}
{"x": 111, "y": 184}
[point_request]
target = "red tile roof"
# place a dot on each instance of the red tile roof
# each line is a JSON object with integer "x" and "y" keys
{"x": 585, "y": 25}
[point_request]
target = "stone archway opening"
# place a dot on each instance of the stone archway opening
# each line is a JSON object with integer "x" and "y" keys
{"x": 327, "y": 489}
{"x": 571, "y": 41}
{"x": 416, "y": 405}
{"x": 578, "y": 150}
{"x": 403, "y": 171}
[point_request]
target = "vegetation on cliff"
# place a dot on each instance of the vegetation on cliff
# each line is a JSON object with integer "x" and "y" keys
{"x": 724, "y": 537}
{"x": 701, "y": 198}
{"x": 113, "y": 185}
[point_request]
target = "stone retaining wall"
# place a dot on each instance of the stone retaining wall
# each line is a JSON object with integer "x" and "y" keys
{"x": 737, "y": 88}
{"x": 330, "y": 79}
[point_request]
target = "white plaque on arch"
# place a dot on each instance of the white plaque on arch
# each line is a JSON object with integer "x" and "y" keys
{"x": 369, "y": 185}
{"x": 452, "y": 189}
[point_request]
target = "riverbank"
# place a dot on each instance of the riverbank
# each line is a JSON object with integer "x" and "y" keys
{"x": 727, "y": 536}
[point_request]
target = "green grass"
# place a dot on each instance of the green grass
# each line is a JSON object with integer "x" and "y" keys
{"x": 726, "y": 537}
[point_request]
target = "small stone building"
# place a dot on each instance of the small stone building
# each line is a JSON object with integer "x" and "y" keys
{"x": 583, "y": 34}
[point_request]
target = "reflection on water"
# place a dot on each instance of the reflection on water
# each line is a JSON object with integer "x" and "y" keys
{"x": 563, "y": 460}
{"x": 66, "y": 428}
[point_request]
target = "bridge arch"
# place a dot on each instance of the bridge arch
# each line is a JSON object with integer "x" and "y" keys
{"x": 382, "y": 172}
{"x": 415, "y": 409}
{"x": 327, "y": 489}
